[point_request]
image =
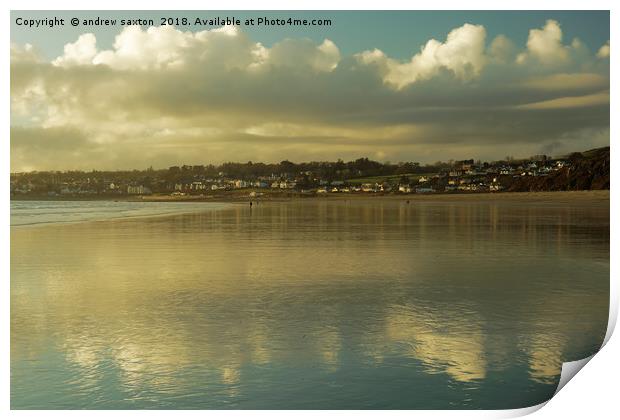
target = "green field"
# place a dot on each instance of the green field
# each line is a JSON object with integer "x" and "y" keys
{"x": 386, "y": 178}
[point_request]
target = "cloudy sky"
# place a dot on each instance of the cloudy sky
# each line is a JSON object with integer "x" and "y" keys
{"x": 420, "y": 86}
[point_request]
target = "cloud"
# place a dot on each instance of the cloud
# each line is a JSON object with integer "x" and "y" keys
{"x": 295, "y": 53}
{"x": 80, "y": 52}
{"x": 165, "y": 47}
{"x": 162, "y": 96}
{"x": 601, "y": 98}
{"x": 462, "y": 54}
{"x": 36, "y": 147}
{"x": 584, "y": 139}
{"x": 24, "y": 54}
{"x": 502, "y": 49}
{"x": 603, "y": 52}
{"x": 545, "y": 45}
{"x": 567, "y": 81}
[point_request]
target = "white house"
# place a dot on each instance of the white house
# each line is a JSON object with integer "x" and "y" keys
{"x": 424, "y": 190}
{"x": 138, "y": 189}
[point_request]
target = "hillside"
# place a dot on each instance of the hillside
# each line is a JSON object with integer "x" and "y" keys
{"x": 587, "y": 171}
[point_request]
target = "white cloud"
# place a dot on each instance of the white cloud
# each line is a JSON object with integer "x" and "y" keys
{"x": 303, "y": 53}
{"x": 603, "y": 52}
{"x": 80, "y": 52}
{"x": 462, "y": 53}
{"x": 545, "y": 45}
{"x": 155, "y": 47}
{"x": 165, "y": 47}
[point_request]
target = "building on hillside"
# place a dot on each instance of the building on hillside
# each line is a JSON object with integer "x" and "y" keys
{"x": 138, "y": 190}
{"x": 422, "y": 190}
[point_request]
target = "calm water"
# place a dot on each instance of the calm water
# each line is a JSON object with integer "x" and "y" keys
{"x": 313, "y": 304}
{"x": 46, "y": 212}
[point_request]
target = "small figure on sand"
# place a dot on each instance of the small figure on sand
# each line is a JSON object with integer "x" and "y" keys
{"x": 250, "y": 204}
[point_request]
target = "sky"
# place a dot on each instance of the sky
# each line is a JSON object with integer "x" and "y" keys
{"x": 392, "y": 86}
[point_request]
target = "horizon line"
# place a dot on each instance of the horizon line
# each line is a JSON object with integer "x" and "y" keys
{"x": 150, "y": 167}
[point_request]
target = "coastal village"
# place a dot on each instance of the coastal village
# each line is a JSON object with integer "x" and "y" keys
{"x": 362, "y": 176}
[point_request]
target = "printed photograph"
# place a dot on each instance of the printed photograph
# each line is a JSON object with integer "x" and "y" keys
{"x": 306, "y": 210}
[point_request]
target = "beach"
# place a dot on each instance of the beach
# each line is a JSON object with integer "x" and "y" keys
{"x": 442, "y": 301}
{"x": 235, "y": 196}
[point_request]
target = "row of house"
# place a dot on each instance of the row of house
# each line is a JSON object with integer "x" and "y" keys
{"x": 466, "y": 176}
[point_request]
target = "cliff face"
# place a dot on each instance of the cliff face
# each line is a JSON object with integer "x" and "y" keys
{"x": 588, "y": 171}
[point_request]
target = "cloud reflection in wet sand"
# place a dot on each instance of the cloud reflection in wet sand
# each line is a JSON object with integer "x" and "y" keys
{"x": 273, "y": 307}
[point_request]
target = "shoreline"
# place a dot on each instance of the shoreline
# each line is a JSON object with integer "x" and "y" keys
{"x": 589, "y": 198}
{"x": 125, "y": 217}
{"x": 479, "y": 197}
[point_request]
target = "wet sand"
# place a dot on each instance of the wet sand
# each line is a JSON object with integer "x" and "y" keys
{"x": 459, "y": 301}
{"x": 593, "y": 196}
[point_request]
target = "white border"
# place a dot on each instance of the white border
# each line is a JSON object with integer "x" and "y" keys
{"x": 592, "y": 394}
{"x": 449, "y": 5}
